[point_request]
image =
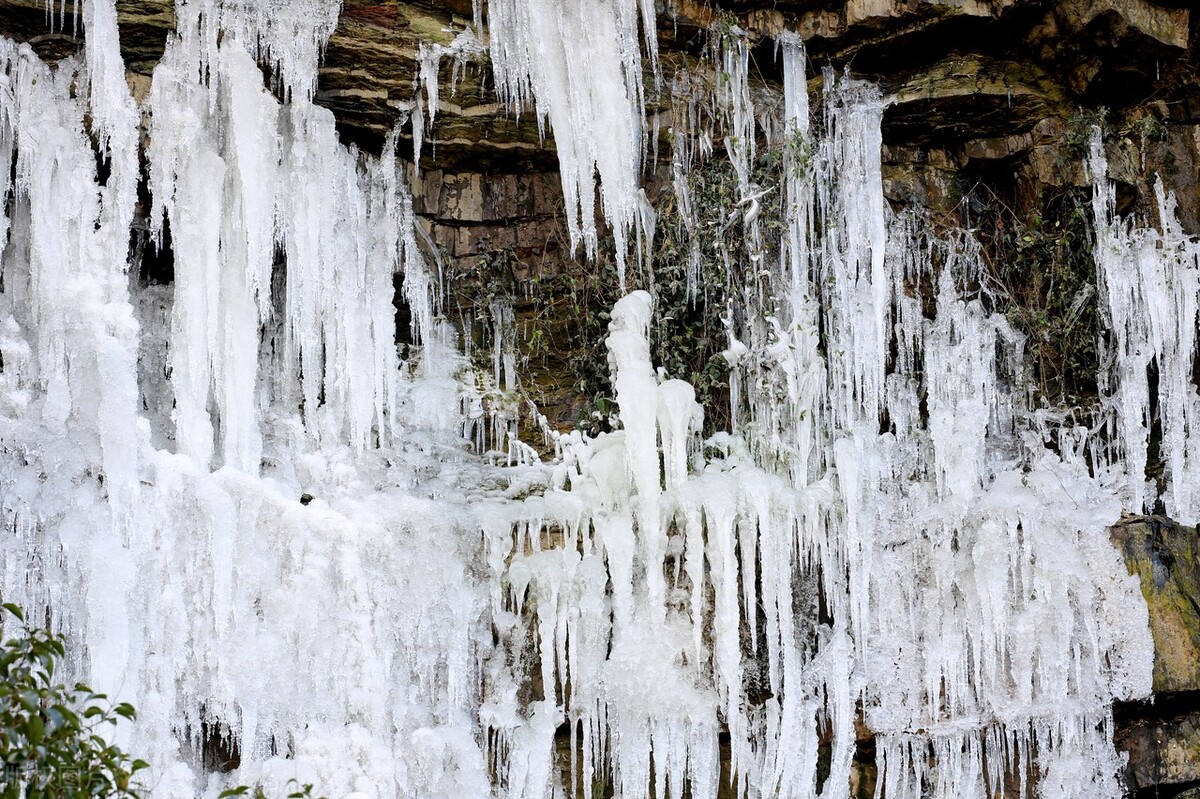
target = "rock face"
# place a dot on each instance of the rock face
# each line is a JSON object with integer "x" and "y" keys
{"x": 989, "y": 91}
{"x": 1164, "y": 749}
{"x": 1166, "y": 557}
{"x": 1162, "y": 737}
{"x": 990, "y": 104}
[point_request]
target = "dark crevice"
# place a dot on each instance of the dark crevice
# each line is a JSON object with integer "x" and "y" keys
{"x": 1161, "y": 706}
{"x": 1155, "y": 465}
{"x": 404, "y": 331}
{"x": 220, "y": 750}
{"x": 1166, "y": 791}
{"x": 155, "y": 262}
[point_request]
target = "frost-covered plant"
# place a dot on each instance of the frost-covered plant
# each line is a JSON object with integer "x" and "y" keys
{"x": 1074, "y": 143}
{"x": 1043, "y": 262}
{"x": 696, "y": 266}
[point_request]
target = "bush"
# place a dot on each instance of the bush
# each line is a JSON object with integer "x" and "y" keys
{"x": 50, "y": 741}
{"x": 1044, "y": 264}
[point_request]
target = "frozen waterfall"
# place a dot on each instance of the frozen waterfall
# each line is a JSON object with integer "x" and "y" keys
{"x": 250, "y": 511}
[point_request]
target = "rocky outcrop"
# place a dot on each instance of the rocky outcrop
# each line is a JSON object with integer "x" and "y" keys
{"x": 1163, "y": 744}
{"x": 958, "y": 70}
{"x": 1166, "y": 558}
{"x": 1162, "y": 736}
{"x": 976, "y": 86}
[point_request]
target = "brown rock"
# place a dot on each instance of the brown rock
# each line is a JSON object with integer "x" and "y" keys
{"x": 1162, "y": 752}
{"x": 1166, "y": 557}
{"x": 462, "y": 198}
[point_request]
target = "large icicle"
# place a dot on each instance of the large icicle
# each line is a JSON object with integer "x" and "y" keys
{"x": 1150, "y": 288}
{"x": 288, "y": 34}
{"x": 579, "y": 67}
{"x": 159, "y": 571}
{"x": 930, "y": 521}
{"x": 223, "y": 148}
{"x": 68, "y": 319}
{"x": 223, "y": 271}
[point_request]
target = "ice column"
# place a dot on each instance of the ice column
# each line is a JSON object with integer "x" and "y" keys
{"x": 67, "y": 318}
{"x": 214, "y": 157}
{"x": 249, "y": 187}
{"x": 1150, "y": 289}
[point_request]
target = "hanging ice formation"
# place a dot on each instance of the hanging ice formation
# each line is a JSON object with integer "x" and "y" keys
{"x": 971, "y": 657}
{"x": 276, "y": 530}
{"x": 578, "y": 66}
{"x": 464, "y": 47}
{"x": 1150, "y": 287}
{"x": 216, "y": 600}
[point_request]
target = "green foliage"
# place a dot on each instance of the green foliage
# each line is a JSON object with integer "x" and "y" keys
{"x": 481, "y": 281}
{"x": 695, "y": 267}
{"x": 591, "y": 299}
{"x": 1147, "y": 127}
{"x": 700, "y": 268}
{"x": 724, "y": 25}
{"x": 51, "y": 745}
{"x": 50, "y": 735}
{"x": 298, "y": 792}
{"x": 1078, "y": 135}
{"x": 1144, "y": 128}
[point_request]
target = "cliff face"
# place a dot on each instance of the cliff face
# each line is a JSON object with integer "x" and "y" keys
{"x": 1163, "y": 737}
{"x": 968, "y": 79}
{"x": 990, "y": 107}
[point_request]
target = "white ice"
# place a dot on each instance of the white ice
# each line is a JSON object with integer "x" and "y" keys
{"x": 275, "y": 525}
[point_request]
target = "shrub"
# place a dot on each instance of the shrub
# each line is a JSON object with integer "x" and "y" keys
{"x": 51, "y": 745}
{"x": 50, "y": 741}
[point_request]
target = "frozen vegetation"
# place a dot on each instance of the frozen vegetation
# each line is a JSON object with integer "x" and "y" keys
{"x": 886, "y": 529}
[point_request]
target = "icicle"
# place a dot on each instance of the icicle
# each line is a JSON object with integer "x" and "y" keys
{"x": 429, "y": 56}
{"x": 71, "y": 389}
{"x": 223, "y": 272}
{"x": 579, "y": 67}
{"x": 1150, "y": 296}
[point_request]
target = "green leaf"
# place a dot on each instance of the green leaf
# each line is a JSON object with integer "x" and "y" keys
{"x": 69, "y": 716}
{"x": 35, "y": 729}
{"x": 14, "y": 610}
